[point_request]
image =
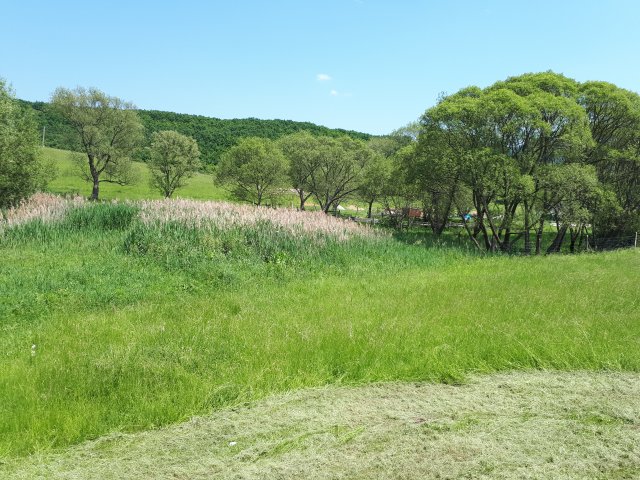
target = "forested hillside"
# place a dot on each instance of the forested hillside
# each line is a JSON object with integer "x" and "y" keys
{"x": 214, "y": 135}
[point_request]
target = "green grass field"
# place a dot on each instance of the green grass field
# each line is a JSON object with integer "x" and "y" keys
{"x": 110, "y": 325}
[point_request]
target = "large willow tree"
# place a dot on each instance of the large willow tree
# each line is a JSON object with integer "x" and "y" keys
{"x": 499, "y": 143}
{"x": 108, "y": 130}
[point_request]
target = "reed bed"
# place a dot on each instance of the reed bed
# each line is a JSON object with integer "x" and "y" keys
{"x": 207, "y": 215}
{"x": 225, "y": 216}
{"x": 43, "y": 207}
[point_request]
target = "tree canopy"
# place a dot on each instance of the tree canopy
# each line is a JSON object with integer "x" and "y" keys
{"x": 254, "y": 170}
{"x": 511, "y": 150}
{"x": 108, "y": 130}
{"x": 21, "y": 171}
{"x": 173, "y": 159}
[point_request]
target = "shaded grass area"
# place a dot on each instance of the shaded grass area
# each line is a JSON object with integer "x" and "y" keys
{"x": 136, "y": 327}
{"x": 515, "y": 425}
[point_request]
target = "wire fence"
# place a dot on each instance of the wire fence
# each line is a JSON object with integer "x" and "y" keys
{"x": 576, "y": 244}
{"x": 611, "y": 243}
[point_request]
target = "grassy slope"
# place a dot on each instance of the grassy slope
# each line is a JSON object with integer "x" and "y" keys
{"x": 199, "y": 187}
{"x": 532, "y": 425}
{"x": 125, "y": 343}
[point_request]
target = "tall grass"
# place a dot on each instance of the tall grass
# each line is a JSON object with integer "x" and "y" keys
{"x": 110, "y": 320}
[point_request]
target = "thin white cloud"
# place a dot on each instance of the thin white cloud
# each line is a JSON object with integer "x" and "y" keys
{"x": 323, "y": 77}
{"x": 336, "y": 93}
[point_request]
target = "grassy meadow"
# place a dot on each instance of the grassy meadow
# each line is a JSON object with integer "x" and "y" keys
{"x": 120, "y": 317}
{"x": 67, "y": 181}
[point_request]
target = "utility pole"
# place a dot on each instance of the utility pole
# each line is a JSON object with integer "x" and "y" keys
{"x": 44, "y": 129}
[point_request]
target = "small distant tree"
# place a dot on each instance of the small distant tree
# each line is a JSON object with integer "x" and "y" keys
{"x": 174, "y": 158}
{"x": 341, "y": 165}
{"x": 301, "y": 151}
{"x": 254, "y": 170}
{"x": 375, "y": 180}
{"x": 401, "y": 192}
{"x": 108, "y": 130}
{"x": 21, "y": 172}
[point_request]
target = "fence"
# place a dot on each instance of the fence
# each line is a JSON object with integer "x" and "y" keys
{"x": 583, "y": 243}
{"x": 612, "y": 243}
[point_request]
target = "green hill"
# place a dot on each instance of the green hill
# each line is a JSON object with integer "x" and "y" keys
{"x": 214, "y": 135}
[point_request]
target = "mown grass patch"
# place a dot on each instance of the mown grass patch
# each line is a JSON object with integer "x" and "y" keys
{"x": 506, "y": 426}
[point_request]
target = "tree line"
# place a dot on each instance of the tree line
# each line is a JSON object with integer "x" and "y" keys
{"x": 214, "y": 135}
{"x": 505, "y": 163}
{"x": 526, "y": 151}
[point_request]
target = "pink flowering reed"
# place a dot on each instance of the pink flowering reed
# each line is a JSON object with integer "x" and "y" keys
{"x": 45, "y": 207}
{"x": 224, "y": 215}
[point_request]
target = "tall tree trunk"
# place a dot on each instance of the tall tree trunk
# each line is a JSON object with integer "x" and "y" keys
{"x": 557, "y": 242}
{"x": 302, "y": 199}
{"x": 574, "y": 233}
{"x": 369, "y": 209}
{"x": 95, "y": 176}
{"x": 495, "y": 238}
{"x": 539, "y": 236}
{"x": 483, "y": 228}
{"x": 572, "y": 242}
{"x": 527, "y": 233}
{"x": 466, "y": 227}
{"x": 506, "y": 241}
{"x": 96, "y": 188}
{"x": 527, "y": 242}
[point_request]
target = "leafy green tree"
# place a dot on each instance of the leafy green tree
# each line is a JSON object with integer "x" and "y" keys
{"x": 301, "y": 150}
{"x": 405, "y": 135}
{"x": 394, "y": 156}
{"x": 174, "y": 158}
{"x": 341, "y": 164}
{"x": 374, "y": 180}
{"x": 501, "y": 136}
{"x": 401, "y": 191}
{"x": 255, "y": 169}
{"x": 614, "y": 120}
{"x": 108, "y": 129}
{"x": 436, "y": 171}
{"x": 21, "y": 172}
{"x": 572, "y": 194}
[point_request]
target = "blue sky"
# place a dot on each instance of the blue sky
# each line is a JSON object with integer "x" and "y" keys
{"x": 367, "y": 65}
